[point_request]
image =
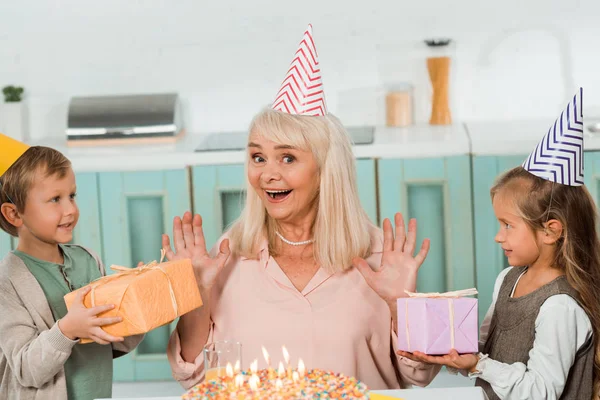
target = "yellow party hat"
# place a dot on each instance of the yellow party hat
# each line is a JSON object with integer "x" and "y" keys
{"x": 10, "y": 151}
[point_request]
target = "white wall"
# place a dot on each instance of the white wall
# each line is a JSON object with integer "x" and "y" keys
{"x": 511, "y": 59}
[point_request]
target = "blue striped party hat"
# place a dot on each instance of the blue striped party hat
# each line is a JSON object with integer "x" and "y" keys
{"x": 558, "y": 157}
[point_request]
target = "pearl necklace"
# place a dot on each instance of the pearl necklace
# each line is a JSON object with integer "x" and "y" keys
{"x": 294, "y": 243}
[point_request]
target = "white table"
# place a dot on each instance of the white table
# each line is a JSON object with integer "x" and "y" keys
{"x": 462, "y": 393}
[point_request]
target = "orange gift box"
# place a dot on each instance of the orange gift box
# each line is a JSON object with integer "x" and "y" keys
{"x": 145, "y": 297}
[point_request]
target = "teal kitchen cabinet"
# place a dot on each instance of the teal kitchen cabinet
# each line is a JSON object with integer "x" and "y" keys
{"x": 136, "y": 208}
{"x": 489, "y": 257}
{"x": 87, "y": 233}
{"x": 437, "y": 192}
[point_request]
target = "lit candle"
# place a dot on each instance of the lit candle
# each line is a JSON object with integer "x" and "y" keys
{"x": 253, "y": 382}
{"x": 281, "y": 371}
{"x": 286, "y": 357}
{"x": 239, "y": 380}
{"x": 266, "y": 356}
{"x": 229, "y": 380}
{"x": 270, "y": 372}
{"x": 278, "y": 384}
{"x": 301, "y": 368}
{"x": 237, "y": 367}
{"x": 298, "y": 376}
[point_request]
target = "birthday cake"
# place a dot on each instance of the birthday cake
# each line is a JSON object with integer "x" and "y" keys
{"x": 263, "y": 384}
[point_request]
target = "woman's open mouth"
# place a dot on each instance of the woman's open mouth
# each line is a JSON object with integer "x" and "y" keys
{"x": 276, "y": 196}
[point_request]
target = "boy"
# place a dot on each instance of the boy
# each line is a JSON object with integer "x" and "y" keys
{"x": 40, "y": 357}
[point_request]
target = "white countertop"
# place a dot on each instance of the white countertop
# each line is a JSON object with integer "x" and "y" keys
{"x": 517, "y": 137}
{"x": 421, "y": 141}
{"x": 455, "y": 393}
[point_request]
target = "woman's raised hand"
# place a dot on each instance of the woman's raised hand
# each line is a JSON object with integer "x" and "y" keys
{"x": 188, "y": 240}
{"x": 399, "y": 267}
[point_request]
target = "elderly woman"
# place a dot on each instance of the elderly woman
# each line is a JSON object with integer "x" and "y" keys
{"x": 303, "y": 266}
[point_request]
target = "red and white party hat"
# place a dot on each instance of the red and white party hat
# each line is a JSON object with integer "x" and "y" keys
{"x": 301, "y": 92}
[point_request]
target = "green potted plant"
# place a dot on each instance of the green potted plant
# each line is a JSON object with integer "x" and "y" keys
{"x": 13, "y": 113}
{"x": 12, "y": 94}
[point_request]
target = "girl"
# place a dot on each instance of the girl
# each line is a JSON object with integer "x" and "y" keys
{"x": 539, "y": 339}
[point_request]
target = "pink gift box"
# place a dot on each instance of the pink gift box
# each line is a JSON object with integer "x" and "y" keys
{"x": 436, "y": 325}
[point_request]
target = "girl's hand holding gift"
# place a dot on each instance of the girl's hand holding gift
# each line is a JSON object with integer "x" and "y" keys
{"x": 466, "y": 362}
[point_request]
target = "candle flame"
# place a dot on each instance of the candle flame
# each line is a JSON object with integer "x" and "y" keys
{"x": 281, "y": 370}
{"x": 239, "y": 380}
{"x": 237, "y": 366}
{"x": 254, "y": 366}
{"x": 279, "y": 384}
{"x": 295, "y": 376}
{"x": 286, "y": 355}
{"x": 253, "y": 382}
{"x": 229, "y": 370}
{"x": 301, "y": 368}
{"x": 266, "y": 356}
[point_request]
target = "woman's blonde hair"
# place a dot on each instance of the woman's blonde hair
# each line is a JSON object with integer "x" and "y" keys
{"x": 342, "y": 229}
{"x": 17, "y": 180}
{"x": 577, "y": 250}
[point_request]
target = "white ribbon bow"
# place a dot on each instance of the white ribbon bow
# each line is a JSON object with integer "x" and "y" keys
{"x": 447, "y": 295}
{"x": 433, "y": 295}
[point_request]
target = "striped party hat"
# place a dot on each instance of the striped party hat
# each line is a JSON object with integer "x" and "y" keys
{"x": 301, "y": 92}
{"x": 558, "y": 157}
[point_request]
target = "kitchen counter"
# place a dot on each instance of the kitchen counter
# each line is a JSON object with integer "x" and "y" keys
{"x": 420, "y": 141}
{"x": 518, "y": 137}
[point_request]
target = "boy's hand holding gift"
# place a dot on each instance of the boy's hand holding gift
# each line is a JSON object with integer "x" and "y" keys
{"x": 82, "y": 322}
{"x": 144, "y": 298}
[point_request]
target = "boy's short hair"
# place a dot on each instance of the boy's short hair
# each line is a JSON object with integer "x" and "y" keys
{"x": 18, "y": 179}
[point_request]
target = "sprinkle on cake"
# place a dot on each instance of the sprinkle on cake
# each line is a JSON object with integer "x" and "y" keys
{"x": 265, "y": 384}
